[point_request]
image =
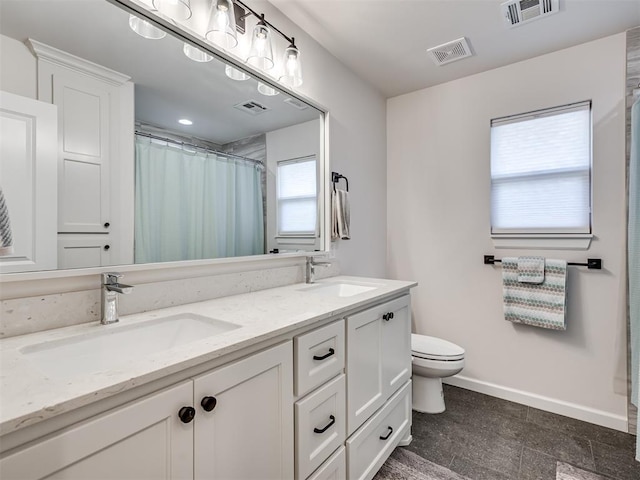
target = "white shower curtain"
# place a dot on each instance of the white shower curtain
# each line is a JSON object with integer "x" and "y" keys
{"x": 193, "y": 205}
{"x": 633, "y": 245}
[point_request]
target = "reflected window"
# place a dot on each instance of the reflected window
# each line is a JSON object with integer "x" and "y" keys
{"x": 296, "y": 197}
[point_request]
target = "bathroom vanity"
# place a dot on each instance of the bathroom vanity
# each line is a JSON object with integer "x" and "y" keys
{"x": 302, "y": 381}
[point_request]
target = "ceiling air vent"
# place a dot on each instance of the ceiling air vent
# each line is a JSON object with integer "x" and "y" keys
{"x": 524, "y": 11}
{"x": 251, "y": 107}
{"x": 296, "y": 103}
{"x": 450, "y": 52}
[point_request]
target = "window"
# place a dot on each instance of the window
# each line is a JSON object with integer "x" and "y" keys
{"x": 296, "y": 193}
{"x": 541, "y": 171}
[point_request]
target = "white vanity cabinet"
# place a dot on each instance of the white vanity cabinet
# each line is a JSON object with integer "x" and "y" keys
{"x": 144, "y": 439}
{"x": 249, "y": 433}
{"x": 378, "y": 357}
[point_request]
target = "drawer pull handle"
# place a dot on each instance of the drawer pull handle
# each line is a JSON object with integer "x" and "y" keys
{"x": 332, "y": 420}
{"x": 326, "y": 355}
{"x": 208, "y": 403}
{"x": 187, "y": 414}
{"x": 387, "y": 316}
{"x": 386, "y": 437}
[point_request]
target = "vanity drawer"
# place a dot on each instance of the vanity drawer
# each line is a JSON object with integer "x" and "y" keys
{"x": 372, "y": 444}
{"x": 335, "y": 468}
{"x": 320, "y": 426}
{"x": 319, "y": 356}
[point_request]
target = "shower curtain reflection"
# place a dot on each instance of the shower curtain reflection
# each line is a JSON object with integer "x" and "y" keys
{"x": 195, "y": 204}
{"x": 633, "y": 245}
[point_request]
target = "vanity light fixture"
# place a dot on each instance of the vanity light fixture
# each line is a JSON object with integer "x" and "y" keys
{"x": 235, "y": 74}
{"x": 222, "y": 24}
{"x": 196, "y": 54}
{"x": 185, "y": 121}
{"x": 174, "y": 9}
{"x": 261, "y": 52}
{"x": 292, "y": 69}
{"x": 145, "y": 29}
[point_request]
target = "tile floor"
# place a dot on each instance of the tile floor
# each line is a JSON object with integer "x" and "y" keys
{"x": 486, "y": 438}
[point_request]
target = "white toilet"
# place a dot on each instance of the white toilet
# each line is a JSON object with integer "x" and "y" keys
{"x": 433, "y": 360}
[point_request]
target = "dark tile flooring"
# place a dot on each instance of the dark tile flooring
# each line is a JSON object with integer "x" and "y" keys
{"x": 486, "y": 438}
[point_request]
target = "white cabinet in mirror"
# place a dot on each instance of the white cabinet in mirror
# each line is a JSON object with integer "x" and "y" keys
{"x": 154, "y": 157}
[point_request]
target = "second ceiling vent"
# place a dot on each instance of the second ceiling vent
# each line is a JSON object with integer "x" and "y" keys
{"x": 450, "y": 51}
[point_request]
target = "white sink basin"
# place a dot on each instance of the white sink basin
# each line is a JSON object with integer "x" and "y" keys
{"x": 117, "y": 345}
{"x": 341, "y": 289}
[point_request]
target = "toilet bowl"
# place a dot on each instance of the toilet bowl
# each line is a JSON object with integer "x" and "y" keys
{"x": 433, "y": 360}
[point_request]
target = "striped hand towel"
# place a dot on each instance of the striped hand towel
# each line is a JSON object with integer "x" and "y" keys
{"x": 541, "y": 305}
{"x": 6, "y": 239}
{"x": 531, "y": 269}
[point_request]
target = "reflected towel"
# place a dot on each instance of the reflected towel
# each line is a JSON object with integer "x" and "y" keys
{"x": 531, "y": 269}
{"x": 340, "y": 214}
{"x": 542, "y": 305}
{"x": 6, "y": 238}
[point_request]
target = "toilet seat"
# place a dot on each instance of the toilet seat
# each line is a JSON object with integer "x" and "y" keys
{"x": 432, "y": 348}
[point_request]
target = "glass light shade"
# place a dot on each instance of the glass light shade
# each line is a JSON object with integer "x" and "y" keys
{"x": 145, "y": 29}
{"x": 235, "y": 74}
{"x": 291, "y": 67}
{"x": 222, "y": 24}
{"x": 267, "y": 90}
{"x": 261, "y": 52}
{"x": 196, "y": 54}
{"x": 175, "y": 9}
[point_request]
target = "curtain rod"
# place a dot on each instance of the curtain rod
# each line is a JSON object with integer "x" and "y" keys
{"x": 193, "y": 145}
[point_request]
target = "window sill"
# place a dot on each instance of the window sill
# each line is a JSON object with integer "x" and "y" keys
{"x": 543, "y": 241}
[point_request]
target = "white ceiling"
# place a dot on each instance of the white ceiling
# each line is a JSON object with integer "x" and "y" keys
{"x": 385, "y": 41}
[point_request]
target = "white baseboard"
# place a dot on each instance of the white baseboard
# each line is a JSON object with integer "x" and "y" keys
{"x": 573, "y": 410}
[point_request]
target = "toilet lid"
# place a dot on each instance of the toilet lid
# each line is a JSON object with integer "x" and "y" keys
{"x": 431, "y": 347}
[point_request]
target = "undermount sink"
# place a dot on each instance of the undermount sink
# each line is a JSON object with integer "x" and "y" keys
{"x": 341, "y": 289}
{"x": 118, "y": 345}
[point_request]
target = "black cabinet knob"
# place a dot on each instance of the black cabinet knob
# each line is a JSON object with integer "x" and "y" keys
{"x": 107, "y": 225}
{"x": 187, "y": 414}
{"x": 208, "y": 403}
{"x": 107, "y": 247}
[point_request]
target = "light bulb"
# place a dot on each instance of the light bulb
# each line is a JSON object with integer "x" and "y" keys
{"x": 222, "y": 24}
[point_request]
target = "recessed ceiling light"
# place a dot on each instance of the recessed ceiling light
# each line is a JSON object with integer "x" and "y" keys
{"x": 185, "y": 121}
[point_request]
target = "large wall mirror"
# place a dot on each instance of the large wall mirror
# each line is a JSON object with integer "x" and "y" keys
{"x": 117, "y": 149}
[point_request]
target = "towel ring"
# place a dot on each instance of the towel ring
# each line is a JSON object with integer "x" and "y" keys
{"x": 335, "y": 178}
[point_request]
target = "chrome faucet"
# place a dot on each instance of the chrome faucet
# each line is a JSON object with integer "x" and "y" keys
{"x": 311, "y": 269}
{"x": 110, "y": 290}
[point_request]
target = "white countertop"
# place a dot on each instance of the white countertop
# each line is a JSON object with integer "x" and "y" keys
{"x": 28, "y": 396}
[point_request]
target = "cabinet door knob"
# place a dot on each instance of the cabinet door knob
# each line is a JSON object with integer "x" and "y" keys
{"x": 386, "y": 437}
{"x": 107, "y": 247}
{"x": 326, "y": 355}
{"x": 208, "y": 403}
{"x": 187, "y": 414}
{"x": 332, "y": 420}
{"x": 107, "y": 225}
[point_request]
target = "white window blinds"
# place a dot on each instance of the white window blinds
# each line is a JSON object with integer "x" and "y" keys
{"x": 297, "y": 208}
{"x": 541, "y": 171}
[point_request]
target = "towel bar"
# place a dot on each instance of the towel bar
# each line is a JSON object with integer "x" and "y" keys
{"x": 335, "y": 178}
{"x": 592, "y": 263}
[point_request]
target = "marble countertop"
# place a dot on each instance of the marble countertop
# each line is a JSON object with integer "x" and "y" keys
{"x": 29, "y": 396}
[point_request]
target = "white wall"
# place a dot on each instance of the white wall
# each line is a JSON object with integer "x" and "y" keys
{"x": 438, "y": 213}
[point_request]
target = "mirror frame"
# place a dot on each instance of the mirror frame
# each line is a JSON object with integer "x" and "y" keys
{"x": 13, "y": 283}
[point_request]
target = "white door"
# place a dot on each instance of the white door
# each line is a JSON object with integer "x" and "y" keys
{"x": 28, "y": 177}
{"x": 83, "y": 114}
{"x": 365, "y": 389}
{"x": 396, "y": 345}
{"x": 142, "y": 440}
{"x": 248, "y": 432}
